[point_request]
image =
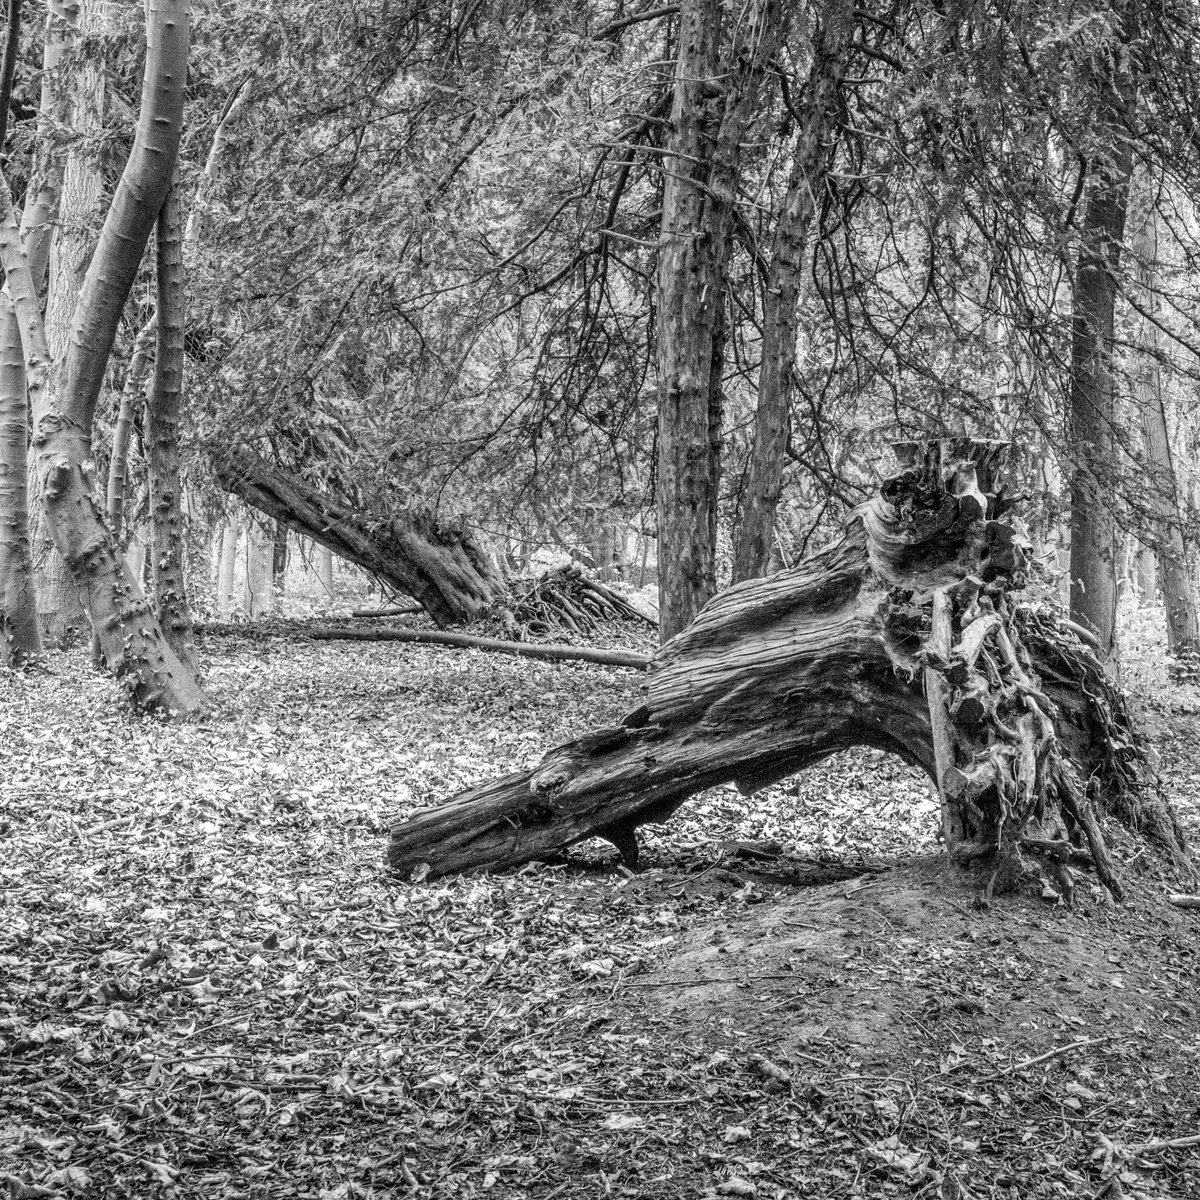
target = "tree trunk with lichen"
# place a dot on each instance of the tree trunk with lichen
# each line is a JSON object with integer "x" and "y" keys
{"x": 911, "y": 634}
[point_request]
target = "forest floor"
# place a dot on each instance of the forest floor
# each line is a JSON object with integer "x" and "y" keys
{"x": 210, "y": 986}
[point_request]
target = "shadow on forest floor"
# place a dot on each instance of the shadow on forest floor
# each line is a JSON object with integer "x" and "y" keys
{"x": 209, "y": 987}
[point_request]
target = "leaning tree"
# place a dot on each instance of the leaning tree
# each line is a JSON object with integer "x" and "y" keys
{"x": 916, "y": 632}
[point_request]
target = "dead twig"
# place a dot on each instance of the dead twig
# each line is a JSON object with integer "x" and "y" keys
{"x": 1024, "y": 1064}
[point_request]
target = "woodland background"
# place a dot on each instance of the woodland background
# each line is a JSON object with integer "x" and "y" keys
{"x": 483, "y": 273}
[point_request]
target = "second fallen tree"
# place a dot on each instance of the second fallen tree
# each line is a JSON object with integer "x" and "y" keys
{"x": 441, "y": 563}
{"x": 910, "y": 634}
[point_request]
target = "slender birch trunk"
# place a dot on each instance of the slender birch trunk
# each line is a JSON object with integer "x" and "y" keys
{"x": 815, "y": 148}
{"x": 1147, "y": 572}
{"x": 226, "y": 567}
{"x": 325, "y": 569}
{"x": 1093, "y": 406}
{"x": 257, "y": 599}
{"x": 712, "y": 108}
{"x": 20, "y": 637}
{"x": 163, "y": 403}
{"x": 1162, "y": 501}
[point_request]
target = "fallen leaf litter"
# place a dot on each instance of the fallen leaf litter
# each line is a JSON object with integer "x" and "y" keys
{"x": 209, "y": 987}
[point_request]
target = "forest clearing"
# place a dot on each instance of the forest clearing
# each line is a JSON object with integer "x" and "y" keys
{"x": 212, "y": 988}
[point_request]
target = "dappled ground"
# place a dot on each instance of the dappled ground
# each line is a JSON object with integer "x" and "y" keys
{"x": 208, "y": 985}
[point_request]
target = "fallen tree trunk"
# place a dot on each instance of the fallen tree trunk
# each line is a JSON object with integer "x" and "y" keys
{"x": 466, "y": 641}
{"x": 440, "y": 564}
{"x": 906, "y": 635}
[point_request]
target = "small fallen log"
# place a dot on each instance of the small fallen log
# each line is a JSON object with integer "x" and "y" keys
{"x": 394, "y": 610}
{"x": 911, "y": 634}
{"x": 467, "y": 641}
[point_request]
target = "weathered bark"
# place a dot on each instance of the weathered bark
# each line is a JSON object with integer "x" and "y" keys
{"x": 20, "y": 637}
{"x": 164, "y": 400}
{"x": 440, "y": 564}
{"x": 712, "y": 106}
{"x": 1162, "y": 494}
{"x": 906, "y": 635}
{"x": 1093, "y": 411}
{"x": 813, "y": 154}
{"x": 130, "y": 637}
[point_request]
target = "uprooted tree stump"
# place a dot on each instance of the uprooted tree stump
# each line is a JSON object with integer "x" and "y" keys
{"x": 910, "y": 634}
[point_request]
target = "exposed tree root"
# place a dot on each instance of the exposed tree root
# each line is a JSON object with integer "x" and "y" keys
{"x": 566, "y": 600}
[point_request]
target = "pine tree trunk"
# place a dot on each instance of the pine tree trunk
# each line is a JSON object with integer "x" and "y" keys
{"x": 1093, "y": 408}
{"x": 20, "y": 637}
{"x": 1162, "y": 496}
{"x": 227, "y": 564}
{"x": 909, "y": 635}
{"x": 814, "y": 152}
{"x": 163, "y": 403}
{"x": 442, "y": 565}
{"x": 712, "y": 106}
